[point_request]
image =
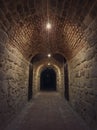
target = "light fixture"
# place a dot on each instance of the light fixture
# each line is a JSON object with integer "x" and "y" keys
{"x": 49, "y": 55}
{"x": 48, "y": 26}
{"x": 49, "y": 64}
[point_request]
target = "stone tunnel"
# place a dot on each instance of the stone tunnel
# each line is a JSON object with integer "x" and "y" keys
{"x": 48, "y": 38}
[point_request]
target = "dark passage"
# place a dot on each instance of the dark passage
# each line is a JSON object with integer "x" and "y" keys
{"x": 48, "y": 80}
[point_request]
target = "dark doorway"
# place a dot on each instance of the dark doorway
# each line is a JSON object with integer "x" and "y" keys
{"x": 66, "y": 81}
{"x": 48, "y": 80}
{"x": 30, "y": 82}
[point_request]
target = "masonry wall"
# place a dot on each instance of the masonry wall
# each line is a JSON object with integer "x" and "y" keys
{"x": 83, "y": 83}
{"x": 13, "y": 81}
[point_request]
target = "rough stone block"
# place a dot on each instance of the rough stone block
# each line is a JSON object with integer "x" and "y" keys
{"x": 3, "y": 37}
{"x": 2, "y": 75}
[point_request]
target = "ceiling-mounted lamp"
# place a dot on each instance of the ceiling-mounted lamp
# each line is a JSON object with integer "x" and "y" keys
{"x": 48, "y": 26}
{"x": 49, "y": 64}
{"x": 49, "y": 55}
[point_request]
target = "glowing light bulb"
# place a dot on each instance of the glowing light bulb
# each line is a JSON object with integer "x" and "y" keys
{"x": 48, "y": 26}
{"x": 49, "y": 55}
{"x": 49, "y": 64}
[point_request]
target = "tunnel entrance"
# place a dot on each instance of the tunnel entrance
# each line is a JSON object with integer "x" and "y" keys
{"x": 48, "y": 80}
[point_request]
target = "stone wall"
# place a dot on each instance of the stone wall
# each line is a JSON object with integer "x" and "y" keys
{"x": 83, "y": 83}
{"x": 13, "y": 81}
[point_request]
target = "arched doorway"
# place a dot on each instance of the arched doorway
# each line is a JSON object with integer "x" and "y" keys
{"x": 48, "y": 80}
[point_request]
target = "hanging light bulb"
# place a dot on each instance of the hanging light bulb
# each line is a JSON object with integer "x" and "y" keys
{"x": 49, "y": 64}
{"x": 48, "y": 26}
{"x": 49, "y": 55}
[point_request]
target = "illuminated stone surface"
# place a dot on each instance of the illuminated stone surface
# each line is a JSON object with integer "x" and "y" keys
{"x": 24, "y": 39}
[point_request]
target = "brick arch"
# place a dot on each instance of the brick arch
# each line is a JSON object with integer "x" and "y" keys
{"x": 73, "y": 34}
{"x": 58, "y": 76}
{"x": 68, "y": 35}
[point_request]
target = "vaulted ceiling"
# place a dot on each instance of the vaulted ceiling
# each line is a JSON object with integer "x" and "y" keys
{"x": 25, "y": 23}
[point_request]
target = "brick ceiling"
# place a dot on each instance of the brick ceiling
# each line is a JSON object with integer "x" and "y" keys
{"x": 25, "y": 23}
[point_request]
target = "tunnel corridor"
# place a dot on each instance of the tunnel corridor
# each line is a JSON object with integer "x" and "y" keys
{"x": 48, "y": 63}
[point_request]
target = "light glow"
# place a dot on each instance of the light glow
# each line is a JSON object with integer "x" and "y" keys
{"x": 49, "y": 64}
{"x": 48, "y": 26}
{"x": 49, "y": 55}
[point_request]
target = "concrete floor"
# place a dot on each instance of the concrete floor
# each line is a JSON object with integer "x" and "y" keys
{"x": 48, "y": 111}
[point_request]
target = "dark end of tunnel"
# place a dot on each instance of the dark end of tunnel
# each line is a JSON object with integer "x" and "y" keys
{"x": 48, "y": 80}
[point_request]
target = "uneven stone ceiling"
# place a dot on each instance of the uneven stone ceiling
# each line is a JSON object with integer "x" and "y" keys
{"x": 25, "y": 23}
